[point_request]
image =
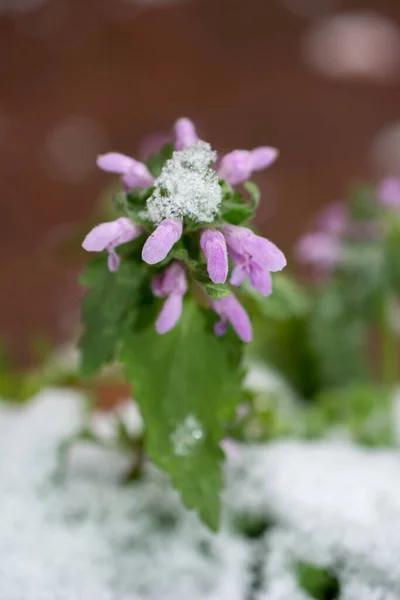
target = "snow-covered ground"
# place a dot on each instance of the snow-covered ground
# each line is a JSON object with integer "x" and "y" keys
{"x": 89, "y": 538}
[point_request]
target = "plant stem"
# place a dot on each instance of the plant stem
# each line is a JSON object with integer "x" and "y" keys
{"x": 135, "y": 471}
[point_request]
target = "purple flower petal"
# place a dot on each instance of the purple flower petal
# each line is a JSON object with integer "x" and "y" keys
{"x": 334, "y": 219}
{"x": 111, "y": 234}
{"x": 221, "y": 327}
{"x": 388, "y": 191}
{"x": 171, "y": 281}
{"x": 213, "y": 244}
{"x": 319, "y": 249}
{"x": 243, "y": 242}
{"x": 263, "y": 157}
{"x": 170, "y": 313}
{"x": 235, "y": 167}
{"x": 161, "y": 241}
{"x": 185, "y": 133}
{"x": 239, "y": 274}
{"x": 260, "y": 279}
{"x": 114, "y": 162}
{"x": 229, "y": 308}
{"x": 113, "y": 260}
{"x": 101, "y": 236}
{"x": 138, "y": 176}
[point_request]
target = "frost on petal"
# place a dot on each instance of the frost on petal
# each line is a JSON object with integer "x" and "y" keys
{"x": 235, "y": 167}
{"x": 113, "y": 261}
{"x": 170, "y": 313}
{"x": 213, "y": 244}
{"x": 260, "y": 279}
{"x": 114, "y": 162}
{"x": 185, "y": 133}
{"x": 388, "y": 191}
{"x": 161, "y": 241}
{"x": 138, "y": 175}
{"x": 263, "y": 157}
{"x": 101, "y": 236}
{"x": 187, "y": 187}
{"x": 229, "y": 308}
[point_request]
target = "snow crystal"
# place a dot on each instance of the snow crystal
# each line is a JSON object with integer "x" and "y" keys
{"x": 187, "y": 186}
{"x": 187, "y": 435}
{"x": 87, "y": 537}
{"x": 335, "y": 505}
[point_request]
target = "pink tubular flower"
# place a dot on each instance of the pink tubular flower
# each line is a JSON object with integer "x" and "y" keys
{"x": 173, "y": 284}
{"x": 230, "y": 310}
{"x": 319, "y": 249}
{"x": 161, "y": 241}
{"x": 213, "y": 244}
{"x": 388, "y": 191}
{"x": 185, "y": 133}
{"x": 255, "y": 257}
{"x": 237, "y": 166}
{"x": 107, "y": 236}
{"x": 134, "y": 173}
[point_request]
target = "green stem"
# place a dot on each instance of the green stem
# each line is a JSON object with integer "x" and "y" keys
{"x": 389, "y": 351}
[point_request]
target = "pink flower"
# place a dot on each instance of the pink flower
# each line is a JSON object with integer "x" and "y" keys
{"x": 185, "y": 133}
{"x": 237, "y": 166}
{"x": 172, "y": 283}
{"x": 213, "y": 244}
{"x": 134, "y": 173}
{"x": 334, "y": 219}
{"x": 319, "y": 249}
{"x": 255, "y": 257}
{"x": 161, "y": 241}
{"x": 389, "y": 191}
{"x": 231, "y": 311}
{"x": 107, "y": 236}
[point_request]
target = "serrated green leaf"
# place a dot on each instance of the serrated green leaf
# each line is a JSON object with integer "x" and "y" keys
{"x": 106, "y": 308}
{"x": 188, "y": 385}
{"x": 236, "y": 212}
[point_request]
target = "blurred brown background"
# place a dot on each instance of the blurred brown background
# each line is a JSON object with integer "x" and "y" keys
{"x": 319, "y": 79}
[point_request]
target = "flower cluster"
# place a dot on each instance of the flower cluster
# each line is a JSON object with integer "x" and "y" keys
{"x": 189, "y": 199}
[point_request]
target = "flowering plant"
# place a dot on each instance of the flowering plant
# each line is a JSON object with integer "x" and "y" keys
{"x": 164, "y": 299}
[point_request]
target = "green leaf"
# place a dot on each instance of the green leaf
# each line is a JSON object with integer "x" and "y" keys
{"x": 217, "y": 290}
{"x": 339, "y": 334}
{"x": 254, "y": 192}
{"x": 364, "y": 409}
{"x": 107, "y": 307}
{"x": 236, "y": 213}
{"x": 188, "y": 385}
{"x": 157, "y": 161}
{"x": 320, "y": 583}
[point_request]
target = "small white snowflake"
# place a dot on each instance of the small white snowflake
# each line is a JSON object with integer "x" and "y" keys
{"x": 187, "y": 187}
